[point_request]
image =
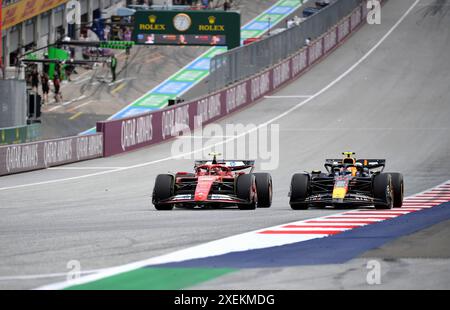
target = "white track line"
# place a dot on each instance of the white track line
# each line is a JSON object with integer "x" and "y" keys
{"x": 66, "y": 103}
{"x": 204, "y": 137}
{"x": 139, "y": 264}
{"x": 81, "y": 105}
{"x": 85, "y": 168}
{"x": 122, "y": 80}
{"x": 74, "y": 100}
{"x": 54, "y": 108}
{"x": 286, "y": 97}
{"x": 312, "y": 228}
{"x": 344, "y": 217}
{"x": 48, "y": 275}
{"x": 287, "y": 112}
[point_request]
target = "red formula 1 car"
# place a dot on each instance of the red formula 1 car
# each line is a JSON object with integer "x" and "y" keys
{"x": 214, "y": 184}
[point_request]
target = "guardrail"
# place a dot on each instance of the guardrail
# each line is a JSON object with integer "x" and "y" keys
{"x": 18, "y": 158}
{"x": 127, "y": 134}
{"x": 240, "y": 63}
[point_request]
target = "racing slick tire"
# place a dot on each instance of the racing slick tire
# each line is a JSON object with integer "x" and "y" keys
{"x": 382, "y": 191}
{"x": 398, "y": 188}
{"x": 245, "y": 185}
{"x": 164, "y": 189}
{"x": 299, "y": 191}
{"x": 263, "y": 189}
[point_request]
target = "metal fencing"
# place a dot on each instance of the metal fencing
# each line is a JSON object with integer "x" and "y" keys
{"x": 245, "y": 61}
{"x": 13, "y": 103}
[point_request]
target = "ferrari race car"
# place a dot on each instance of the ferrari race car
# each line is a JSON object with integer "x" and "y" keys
{"x": 214, "y": 184}
{"x": 348, "y": 182}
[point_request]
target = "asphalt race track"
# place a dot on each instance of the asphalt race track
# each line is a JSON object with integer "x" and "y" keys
{"x": 394, "y": 105}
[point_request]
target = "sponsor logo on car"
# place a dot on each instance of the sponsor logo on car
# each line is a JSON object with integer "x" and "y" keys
{"x": 220, "y": 197}
{"x": 182, "y": 197}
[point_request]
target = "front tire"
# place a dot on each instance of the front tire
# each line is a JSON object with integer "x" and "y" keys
{"x": 164, "y": 189}
{"x": 382, "y": 191}
{"x": 245, "y": 185}
{"x": 300, "y": 184}
{"x": 263, "y": 189}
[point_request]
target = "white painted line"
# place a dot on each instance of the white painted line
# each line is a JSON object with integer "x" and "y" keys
{"x": 54, "y": 108}
{"x": 412, "y": 209}
{"x": 310, "y": 228}
{"x": 204, "y": 137}
{"x": 425, "y": 200}
{"x": 418, "y": 203}
{"x": 421, "y": 204}
{"x": 364, "y": 216}
{"x": 329, "y": 225}
{"x": 286, "y": 97}
{"x": 84, "y": 168}
{"x": 121, "y": 80}
{"x": 344, "y": 221}
{"x": 381, "y": 213}
{"x": 115, "y": 82}
{"x": 280, "y": 116}
{"x": 74, "y": 100}
{"x": 48, "y": 275}
{"x": 69, "y": 102}
{"x": 336, "y": 223}
{"x": 82, "y": 105}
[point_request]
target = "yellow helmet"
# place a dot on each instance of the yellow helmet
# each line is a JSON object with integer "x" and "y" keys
{"x": 348, "y": 158}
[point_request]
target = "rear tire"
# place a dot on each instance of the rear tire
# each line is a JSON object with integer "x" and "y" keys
{"x": 300, "y": 184}
{"x": 263, "y": 189}
{"x": 382, "y": 191}
{"x": 245, "y": 185}
{"x": 398, "y": 188}
{"x": 164, "y": 189}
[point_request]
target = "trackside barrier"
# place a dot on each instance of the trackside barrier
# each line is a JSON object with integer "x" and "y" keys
{"x": 43, "y": 154}
{"x": 135, "y": 132}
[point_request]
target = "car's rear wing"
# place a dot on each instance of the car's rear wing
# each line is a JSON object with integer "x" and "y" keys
{"x": 367, "y": 163}
{"x": 232, "y": 164}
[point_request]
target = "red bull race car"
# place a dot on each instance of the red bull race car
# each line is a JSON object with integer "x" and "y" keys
{"x": 348, "y": 182}
{"x": 214, "y": 184}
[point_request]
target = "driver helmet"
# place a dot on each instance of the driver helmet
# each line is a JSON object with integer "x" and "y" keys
{"x": 349, "y": 158}
{"x": 215, "y": 170}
